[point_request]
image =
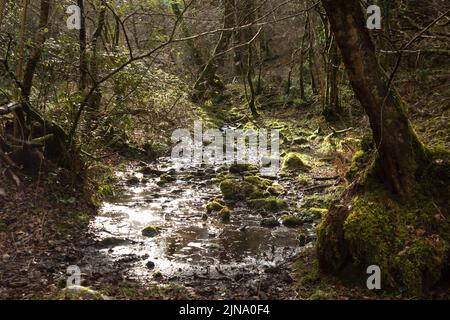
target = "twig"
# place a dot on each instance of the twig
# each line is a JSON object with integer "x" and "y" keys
{"x": 321, "y": 186}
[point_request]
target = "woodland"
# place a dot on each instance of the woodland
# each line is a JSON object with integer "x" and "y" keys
{"x": 92, "y": 205}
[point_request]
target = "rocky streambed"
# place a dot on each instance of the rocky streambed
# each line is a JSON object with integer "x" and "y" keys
{"x": 165, "y": 228}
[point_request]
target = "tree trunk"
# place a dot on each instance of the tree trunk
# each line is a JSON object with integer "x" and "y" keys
{"x": 95, "y": 99}
{"x": 251, "y": 99}
{"x": 82, "y": 41}
{"x": 334, "y": 77}
{"x": 134, "y": 28}
{"x": 21, "y": 48}
{"x": 315, "y": 61}
{"x": 36, "y": 52}
{"x": 208, "y": 76}
{"x": 245, "y": 14}
{"x": 302, "y": 62}
{"x": 31, "y": 65}
{"x": 2, "y": 10}
{"x": 399, "y": 151}
{"x": 195, "y": 53}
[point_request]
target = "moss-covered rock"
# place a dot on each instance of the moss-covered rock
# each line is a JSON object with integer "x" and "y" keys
{"x": 214, "y": 205}
{"x": 276, "y": 189}
{"x": 260, "y": 183}
{"x": 293, "y": 163}
{"x": 151, "y": 231}
{"x": 166, "y": 178}
{"x": 133, "y": 180}
{"x": 241, "y": 168}
{"x": 236, "y": 190}
{"x": 268, "y": 204}
{"x": 225, "y": 214}
{"x": 147, "y": 170}
{"x": 291, "y": 220}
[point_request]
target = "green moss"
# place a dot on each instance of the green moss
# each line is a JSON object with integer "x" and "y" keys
{"x": 258, "y": 182}
{"x": 425, "y": 256}
{"x": 225, "y": 214}
{"x": 310, "y": 215}
{"x": 236, "y": 190}
{"x": 268, "y": 204}
{"x": 410, "y": 242}
{"x": 359, "y": 161}
{"x": 323, "y": 295}
{"x": 370, "y": 233}
{"x": 328, "y": 145}
{"x": 241, "y": 168}
{"x": 293, "y": 163}
{"x": 276, "y": 190}
{"x": 291, "y": 221}
{"x": 318, "y": 201}
{"x": 214, "y": 206}
{"x": 80, "y": 293}
{"x": 151, "y": 291}
{"x": 305, "y": 180}
{"x": 151, "y": 231}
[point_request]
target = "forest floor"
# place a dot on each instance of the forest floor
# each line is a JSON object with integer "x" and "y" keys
{"x": 47, "y": 223}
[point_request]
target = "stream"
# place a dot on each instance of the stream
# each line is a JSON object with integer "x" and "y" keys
{"x": 212, "y": 259}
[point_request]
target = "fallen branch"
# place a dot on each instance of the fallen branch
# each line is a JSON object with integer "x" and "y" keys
{"x": 336, "y": 132}
{"x": 321, "y": 186}
{"x": 325, "y": 178}
{"x": 9, "y": 108}
{"x": 37, "y": 142}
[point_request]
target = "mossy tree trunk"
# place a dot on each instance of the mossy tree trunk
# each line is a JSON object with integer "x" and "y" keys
{"x": 400, "y": 153}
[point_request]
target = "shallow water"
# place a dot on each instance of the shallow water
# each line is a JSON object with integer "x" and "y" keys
{"x": 187, "y": 246}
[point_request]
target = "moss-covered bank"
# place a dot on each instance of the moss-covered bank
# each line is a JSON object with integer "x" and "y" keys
{"x": 410, "y": 242}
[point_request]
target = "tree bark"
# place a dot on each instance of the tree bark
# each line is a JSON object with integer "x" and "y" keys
{"x": 208, "y": 76}
{"x": 95, "y": 99}
{"x": 36, "y": 52}
{"x": 244, "y": 14}
{"x": 194, "y": 50}
{"x": 82, "y": 41}
{"x": 2, "y": 10}
{"x": 400, "y": 153}
{"x": 21, "y": 48}
{"x": 315, "y": 58}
